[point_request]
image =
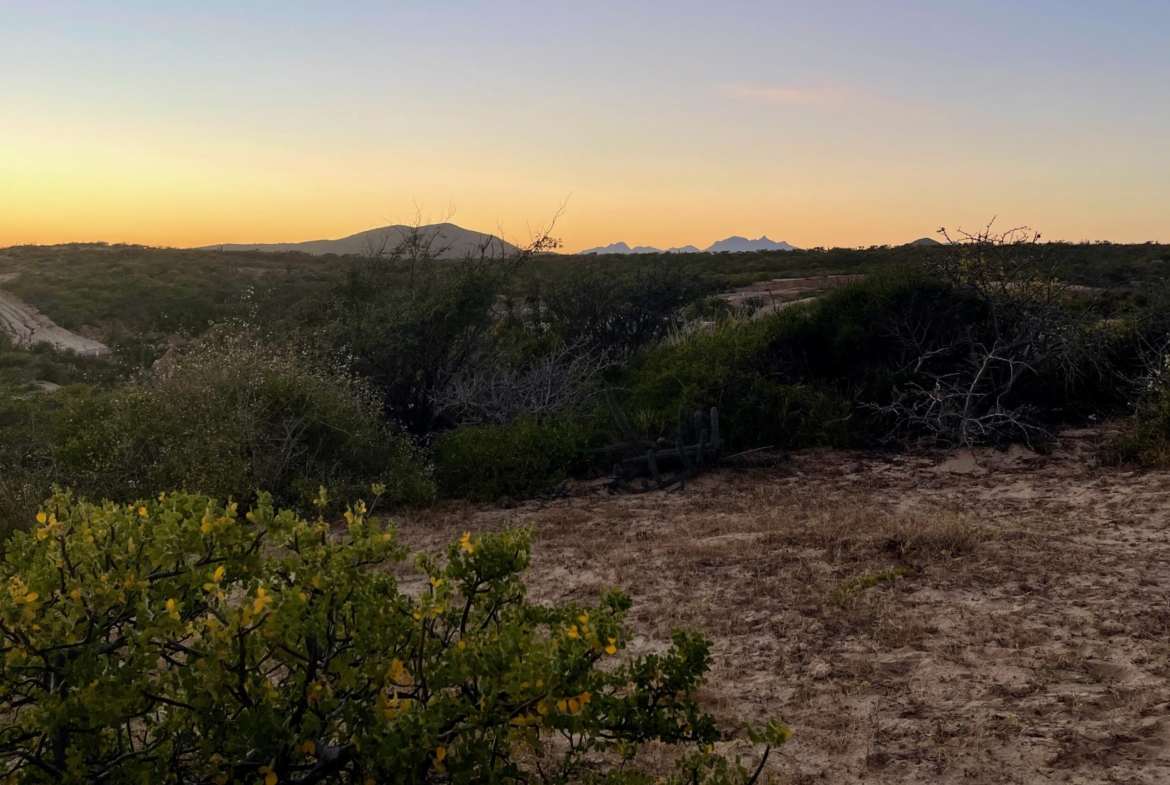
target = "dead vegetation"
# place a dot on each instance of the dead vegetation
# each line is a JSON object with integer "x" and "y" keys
{"x": 1001, "y": 617}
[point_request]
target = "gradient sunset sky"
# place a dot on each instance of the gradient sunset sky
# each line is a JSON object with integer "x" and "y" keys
{"x": 826, "y": 122}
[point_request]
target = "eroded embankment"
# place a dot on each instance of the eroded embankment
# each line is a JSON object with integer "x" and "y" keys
{"x": 27, "y": 326}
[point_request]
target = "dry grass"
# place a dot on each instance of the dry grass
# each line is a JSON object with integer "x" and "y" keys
{"x": 1009, "y": 624}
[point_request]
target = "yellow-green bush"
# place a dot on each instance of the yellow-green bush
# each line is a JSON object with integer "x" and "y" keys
{"x": 176, "y": 640}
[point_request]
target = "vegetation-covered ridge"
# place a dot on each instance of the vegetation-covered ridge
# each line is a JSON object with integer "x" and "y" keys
{"x": 124, "y": 290}
{"x": 495, "y": 378}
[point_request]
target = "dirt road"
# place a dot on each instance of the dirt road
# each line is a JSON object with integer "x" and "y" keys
{"x": 27, "y": 326}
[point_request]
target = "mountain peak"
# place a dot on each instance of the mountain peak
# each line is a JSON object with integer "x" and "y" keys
{"x": 447, "y": 241}
{"x": 734, "y": 244}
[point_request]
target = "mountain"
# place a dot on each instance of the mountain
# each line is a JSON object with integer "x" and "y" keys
{"x": 731, "y": 245}
{"x": 741, "y": 244}
{"x": 925, "y": 241}
{"x": 621, "y": 248}
{"x": 446, "y": 240}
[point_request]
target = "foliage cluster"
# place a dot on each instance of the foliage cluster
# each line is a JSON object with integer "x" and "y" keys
{"x": 521, "y": 459}
{"x": 493, "y": 363}
{"x": 178, "y": 641}
{"x": 230, "y": 416}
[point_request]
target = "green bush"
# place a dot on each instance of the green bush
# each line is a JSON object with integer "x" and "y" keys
{"x": 175, "y": 641}
{"x": 519, "y": 460}
{"x": 231, "y": 416}
{"x": 762, "y": 401}
{"x": 815, "y": 374}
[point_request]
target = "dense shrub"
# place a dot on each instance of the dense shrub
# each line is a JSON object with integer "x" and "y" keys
{"x": 616, "y": 315}
{"x": 175, "y": 641}
{"x": 791, "y": 379}
{"x": 522, "y": 459}
{"x": 230, "y": 416}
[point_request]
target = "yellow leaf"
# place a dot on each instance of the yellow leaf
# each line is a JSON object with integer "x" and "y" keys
{"x": 440, "y": 753}
{"x": 270, "y": 778}
{"x": 141, "y": 512}
{"x": 41, "y": 517}
{"x": 31, "y": 596}
{"x": 309, "y": 747}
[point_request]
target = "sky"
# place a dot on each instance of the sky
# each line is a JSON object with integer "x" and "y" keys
{"x": 665, "y": 122}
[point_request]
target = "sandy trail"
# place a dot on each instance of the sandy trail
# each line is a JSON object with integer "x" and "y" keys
{"x": 28, "y": 326}
{"x": 1032, "y": 644}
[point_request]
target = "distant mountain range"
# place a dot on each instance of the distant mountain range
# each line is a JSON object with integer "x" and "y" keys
{"x": 731, "y": 245}
{"x": 446, "y": 241}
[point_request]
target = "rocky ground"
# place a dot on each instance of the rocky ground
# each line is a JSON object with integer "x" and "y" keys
{"x": 980, "y": 617}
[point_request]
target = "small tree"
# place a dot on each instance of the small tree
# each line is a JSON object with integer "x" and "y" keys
{"x": 967, "y": 368}
{"x": 174, "y": 641}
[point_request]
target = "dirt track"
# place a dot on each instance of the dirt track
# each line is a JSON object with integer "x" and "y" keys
{"x": 27, "y": 327}
{"x": 1031, "y": 644}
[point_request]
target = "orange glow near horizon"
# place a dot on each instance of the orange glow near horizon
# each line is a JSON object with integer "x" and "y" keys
{"x": 208, "y": 123}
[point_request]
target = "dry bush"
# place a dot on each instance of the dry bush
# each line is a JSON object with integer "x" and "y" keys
{"x": 854, "y": 532}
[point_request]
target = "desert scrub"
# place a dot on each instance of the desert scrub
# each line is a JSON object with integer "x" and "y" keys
{"x": 233, "y": 415}
{"x": 860, "y": 584}
{"x": 518, "y": 460}
{"x": 1145, "y": 437}
{"x": 159, "y": 642}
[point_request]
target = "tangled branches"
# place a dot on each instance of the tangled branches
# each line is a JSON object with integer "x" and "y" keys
{"x": 1016, "y": 317}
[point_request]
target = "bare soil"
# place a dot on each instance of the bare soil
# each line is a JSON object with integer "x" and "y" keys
{"x": 922, "y": 618}
{"x": 780, "y": 293}
{"x": 28, "y": 326}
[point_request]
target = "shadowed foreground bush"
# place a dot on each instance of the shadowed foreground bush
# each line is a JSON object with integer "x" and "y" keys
{"x": 174, "y": 641}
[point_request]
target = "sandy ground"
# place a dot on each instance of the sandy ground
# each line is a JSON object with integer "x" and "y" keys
{"x": 1031, "y": 643}
{"x": 27, "y": 326}
{"x": 778, "y": 294}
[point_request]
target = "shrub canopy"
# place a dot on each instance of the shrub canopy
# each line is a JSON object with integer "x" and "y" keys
{"x": 178, "y": 641}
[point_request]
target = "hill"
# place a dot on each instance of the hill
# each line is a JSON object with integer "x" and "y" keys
{"x": 743, "y": 244}
{"x": 452, "y": 241}
{"x": 729, "y": 245}
{"x": 622, "y": 248}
